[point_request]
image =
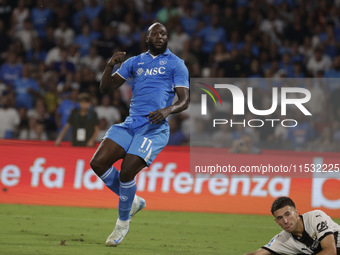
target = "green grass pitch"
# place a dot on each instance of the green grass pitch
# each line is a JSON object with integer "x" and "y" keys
{"x": 70, "y": 230}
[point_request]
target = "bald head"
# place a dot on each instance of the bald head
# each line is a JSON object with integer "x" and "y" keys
{"x": 157, "y": 38}
{"x": 154, "y": 25}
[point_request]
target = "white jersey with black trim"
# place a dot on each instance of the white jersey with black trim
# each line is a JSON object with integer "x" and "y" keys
{"x": 317, "y": 225}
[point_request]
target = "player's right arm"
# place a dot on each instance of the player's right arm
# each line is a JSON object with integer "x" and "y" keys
{"x": 259, "y": 252}
{"x": 108, "y": 82}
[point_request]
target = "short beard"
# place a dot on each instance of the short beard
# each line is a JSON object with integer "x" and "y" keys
{"x": 155, "y": 50}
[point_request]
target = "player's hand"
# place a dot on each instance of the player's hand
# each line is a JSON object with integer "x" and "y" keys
{"x": 158, "y": 115}
{"x": 117, "y": 58}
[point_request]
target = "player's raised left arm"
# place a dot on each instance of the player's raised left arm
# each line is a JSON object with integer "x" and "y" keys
{"x": 328, "y": 245}
{"x": 180, "y": 105}
{"x": 108, "y": 82}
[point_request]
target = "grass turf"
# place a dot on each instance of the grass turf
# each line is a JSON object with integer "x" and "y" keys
{"x": 70, "y": 230}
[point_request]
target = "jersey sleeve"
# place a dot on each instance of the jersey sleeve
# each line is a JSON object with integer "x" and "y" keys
{"x": 125, "y": 71}
{"x": 322, "y": 224}
{"x": 181, "y": 75}
{"x": 279, "y": 245}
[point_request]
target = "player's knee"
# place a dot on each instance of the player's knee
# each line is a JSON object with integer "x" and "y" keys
{"x": 97, "y": 166}
{"x": 126, "y": 176}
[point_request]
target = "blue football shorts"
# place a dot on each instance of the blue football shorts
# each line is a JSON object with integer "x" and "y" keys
{"x": 139, "y": 137}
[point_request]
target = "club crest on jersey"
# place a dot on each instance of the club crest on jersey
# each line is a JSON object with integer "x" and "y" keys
{"x": 139, "y": 71}
{"x": 162, "y": 62}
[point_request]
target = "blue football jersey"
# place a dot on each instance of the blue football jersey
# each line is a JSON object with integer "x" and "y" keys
{"x": 154, "y": 80}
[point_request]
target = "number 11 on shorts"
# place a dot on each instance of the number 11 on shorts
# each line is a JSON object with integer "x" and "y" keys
{"x": 146, "y": 140}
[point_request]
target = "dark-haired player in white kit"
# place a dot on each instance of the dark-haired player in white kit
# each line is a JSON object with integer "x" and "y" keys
{"x": 313, "y": 232}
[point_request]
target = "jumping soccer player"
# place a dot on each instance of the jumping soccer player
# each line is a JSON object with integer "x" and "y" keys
{"x": 157, "y": 75}
{"x": 311, "y": 233}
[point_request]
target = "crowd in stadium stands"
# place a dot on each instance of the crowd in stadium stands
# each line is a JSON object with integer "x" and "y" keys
{"x": 51, "y": 50}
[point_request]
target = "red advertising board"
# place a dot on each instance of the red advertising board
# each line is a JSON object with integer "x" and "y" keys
{"x": 40, "y": 173}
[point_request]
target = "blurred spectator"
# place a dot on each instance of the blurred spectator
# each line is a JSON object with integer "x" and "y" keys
{"x": 234, "y": 42}
{"x": 297, "y": 70}
{"x": 167, "y": 11}
{"x": 34, "y": 130}
{"x": 19, "y": 15}
{"x": 107, "y": 111}
{"x": 39, "y": 112}
{"x": 37, "y": 54}
{"x": 219, "y": 55}
{"x": 92, "y": 60}
{"x": 177, "y": 39}
{"x": 54, "y": 54}
{"x": 65, "y": 32}
{"x": 92, "y": 10}
{"x": 212, "y": 34}
{"x": 26, "y": 88}
{"x": 84, "y": 124}
{"x": 65, "y": 108}
{"x": 318, "y": 62}
{"x": 9, "y": 119}
{"x": 27, "y": 35}
{"x": 272, "y": 25}
{"x": 11, "y": 70}
{"x": 78, "y": 16}
{"x": 51, "y": 97}
{"x": 96, "y": 30}
{"x": 287, "y": 65}
{"x": 64, "y": 67}
{"x": 189, "y": 21}
{"x": 49, "y": 41}
{"x": 108, "y": 41}
{"x": 84, "y": 40}
{"x": 41, "y": 16}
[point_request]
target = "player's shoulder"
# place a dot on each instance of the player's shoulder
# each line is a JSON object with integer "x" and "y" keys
{"x": 173, "y": 57}
{"x": 314, "y": 214}
{"x": 132, "y": 58}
